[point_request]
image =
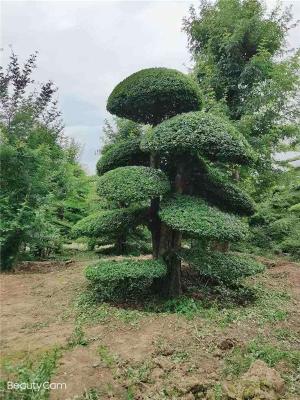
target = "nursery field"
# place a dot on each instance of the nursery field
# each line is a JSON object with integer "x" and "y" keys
{"x": 199, "y": 347}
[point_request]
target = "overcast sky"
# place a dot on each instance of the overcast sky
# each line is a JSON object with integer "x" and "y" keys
{"x": 87, "y": 47}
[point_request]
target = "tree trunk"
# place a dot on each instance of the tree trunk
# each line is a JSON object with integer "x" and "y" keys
{"x": 170, "y": 245}
{"x": 154, "y": 218}
{"x": 120, "y": 244}
{"x": 223, "y": 247}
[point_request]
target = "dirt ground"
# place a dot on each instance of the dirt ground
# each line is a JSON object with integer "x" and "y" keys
{"x": 131, "y": 354}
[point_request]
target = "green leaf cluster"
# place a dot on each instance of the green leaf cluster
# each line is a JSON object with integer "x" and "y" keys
{"x": 210, "y": 135}
{"x": 114, "y": 280}
{"x": 105, "y": 222}
{"x": 132, "y": 184}
{"x": 195, "y": 217}
{"x": 216, "y": 187}
{"x": 122, "y": 153}
{"x": 152, "y": 95}
{"x": 225, "y": 268}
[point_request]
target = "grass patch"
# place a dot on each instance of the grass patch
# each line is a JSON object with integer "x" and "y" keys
{"x": 89, "y": 311}
{"x": 286, "y": 334}
{"x": 33, "y": 376}
{"x": 240, "y": 359}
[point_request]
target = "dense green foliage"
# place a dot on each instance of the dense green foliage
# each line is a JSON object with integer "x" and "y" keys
{"x": 238, "y": 48}
{"x": 276, "y": 225}
{"x": 208, "y": 134}
{"x": 218, "y": 189}
{"x": 114, "y": 280}
{"x": 234, "y": 43}
{"x": 153, "y": 94}
{"x": 105, "y": 222}
{"x": 43, "y": 189}
{"x": 120, "y": 154}
{"x": 195, "y": 217}
{"x": 131, "y": 184}
{"x": 225, "y": 268}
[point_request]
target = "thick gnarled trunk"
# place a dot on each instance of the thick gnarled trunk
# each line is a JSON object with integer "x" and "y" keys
{"x": 166, "y": 242}
{"x": 170, "y": 243}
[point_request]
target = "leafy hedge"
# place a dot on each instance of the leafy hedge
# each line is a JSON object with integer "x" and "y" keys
{"x": 217, "y": 189}
{"x": 195, "y": 217}
{"x": 151, "y": 95}
{"x": 105, "y": 222}
{"x": 123, "y": 153}
{"x": 131, "y": 184}
{"x": 209, "y": 134}
{"x": 114, "y": 280}
{"x": 226, "y": 268}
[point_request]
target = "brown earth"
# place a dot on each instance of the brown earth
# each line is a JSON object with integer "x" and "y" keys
{"x": 132, "y": 354}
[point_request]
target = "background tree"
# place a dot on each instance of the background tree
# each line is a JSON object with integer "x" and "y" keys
{"x": 40, "y": 177}
{"x": 246, "y": 72}
{"x": 188, "y": 176}
{"x": 276, "y": 225}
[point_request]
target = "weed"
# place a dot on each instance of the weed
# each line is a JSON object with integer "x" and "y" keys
{"x": 130, "y": 394}
{"x": 106, "y": 357}
{"x": 138, "y": 372}
{"x": 90, "y": 394}
{"x": 180, "y": 356}
{"x": 285, "y": 334}
{"x": 218, "y": 391}
{"x": 77, "y": 337}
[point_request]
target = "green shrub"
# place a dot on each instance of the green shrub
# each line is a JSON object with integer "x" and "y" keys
{"x": 132, "y": 184}
{"x": 195, "y": 217}
{"x": 151, "y": 95}
{"x": 114, "y": 280}
{"x": 225, "y": 268}
{"x": 210, "y": 135}
{"x": 120, "y": 154}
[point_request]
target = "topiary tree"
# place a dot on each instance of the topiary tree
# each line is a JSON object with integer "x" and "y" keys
{"x": 187, "y": 188}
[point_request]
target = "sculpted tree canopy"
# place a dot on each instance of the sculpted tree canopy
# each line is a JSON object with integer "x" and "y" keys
{"x": 187, "y": 190}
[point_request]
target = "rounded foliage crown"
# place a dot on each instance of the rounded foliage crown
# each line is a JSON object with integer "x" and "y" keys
{"x": 151, "y": 95}
{"x": 133, "y": 184}
{"x": 208, "y": 134}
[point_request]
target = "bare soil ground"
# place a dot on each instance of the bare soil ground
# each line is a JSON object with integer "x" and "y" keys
{"x": 133, "y": 354}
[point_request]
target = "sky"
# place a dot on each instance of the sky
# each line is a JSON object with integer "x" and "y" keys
{"x": 87, "y": 47}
